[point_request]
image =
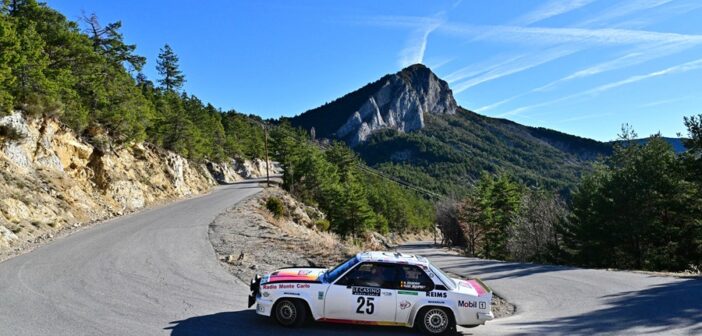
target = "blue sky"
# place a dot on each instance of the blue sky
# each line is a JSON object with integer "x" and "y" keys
{"x": 580, "y": 66}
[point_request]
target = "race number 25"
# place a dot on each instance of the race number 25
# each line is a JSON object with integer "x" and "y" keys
{"x": 367, "y": 303}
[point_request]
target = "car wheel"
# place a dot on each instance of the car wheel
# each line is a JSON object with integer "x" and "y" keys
{"x": 290, "y": 313}
{"x": 435, "y": 321}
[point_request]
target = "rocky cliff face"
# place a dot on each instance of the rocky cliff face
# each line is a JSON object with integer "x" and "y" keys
{"x": 400, "y": 103}
{"x": 50, "y": 179}
{"x": 237, "y": 169}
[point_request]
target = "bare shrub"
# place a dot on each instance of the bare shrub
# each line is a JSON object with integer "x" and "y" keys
{"x": 448, "y": 224}
{"x": 534, "y": 235}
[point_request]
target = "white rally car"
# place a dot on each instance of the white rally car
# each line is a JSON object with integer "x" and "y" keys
{"x": 376, "y": 288}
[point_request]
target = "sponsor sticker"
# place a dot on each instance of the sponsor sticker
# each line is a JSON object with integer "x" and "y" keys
{"x": 269, "y": 287}
{"x": 387, "y": 293}
{"x": 407, "y": 292}
{"x": 411, "y": 285}
{"x": 265, "y": 294}
{"x": 437, "y": 294}
{"x": 320, "y": 295}
{"x": 260, "y": 308}
{"x": 436, "y": 302}
{"x": 288, "y": 293}
{"x": 365, "y": 291}
{"x": 405, "y": 304}
{"x": 483, "y": 305}
{"x": 467, "y": 304}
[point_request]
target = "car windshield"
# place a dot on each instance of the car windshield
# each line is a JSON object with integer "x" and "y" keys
{"x": 340, "y": 269}
{"x": 443, "y": 277}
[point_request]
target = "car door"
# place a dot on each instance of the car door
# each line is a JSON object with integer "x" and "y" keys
{"x": 414, "y": 285}
{"x": 366, "y": 293}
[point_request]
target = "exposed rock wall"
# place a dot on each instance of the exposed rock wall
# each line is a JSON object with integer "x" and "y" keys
{"x": 400, "y": 104}
{"x": 51, "y": 179}
{"x": 237, "y": 169}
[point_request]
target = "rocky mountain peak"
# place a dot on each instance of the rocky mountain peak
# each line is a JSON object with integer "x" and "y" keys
{"x": 397, "y": 101}
{"x": 400, "y": 103}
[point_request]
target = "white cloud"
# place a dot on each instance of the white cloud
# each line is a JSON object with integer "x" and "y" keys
{"x": 520, "y": 64}
{"x": 623, "y": 9}
{"x": 544, "y": 35}
{"x": 480, "y": 68}
{"x": 664, "y": 102}
{"x": 417, "y": 44}
{"x": 551, "y": 9}
{"x": 685, "y": 67}
{"x": 635, "y": 57}
{"x": 437, "y": 63}
{"x": 680, "y": 68}
{"x": 489, "y": 107}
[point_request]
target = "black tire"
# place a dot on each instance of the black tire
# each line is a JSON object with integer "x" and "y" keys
{"x": 435, "y": 321}
{"x": 290, "y": 313}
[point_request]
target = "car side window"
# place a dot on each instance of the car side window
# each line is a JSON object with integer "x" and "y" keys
{"x": 371, "y": 275}
{"x": 413, "y": 278}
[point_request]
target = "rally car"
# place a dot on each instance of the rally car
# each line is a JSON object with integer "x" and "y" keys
{"x": 376, "y": 288}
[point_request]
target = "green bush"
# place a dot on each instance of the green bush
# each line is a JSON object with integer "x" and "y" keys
{"x": 275, "y": 206}
{"x": 322, "y": 225}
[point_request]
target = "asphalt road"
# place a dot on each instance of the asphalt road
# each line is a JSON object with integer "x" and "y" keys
{"x": 556, "y": 300}
{"x": 155, "y": 273}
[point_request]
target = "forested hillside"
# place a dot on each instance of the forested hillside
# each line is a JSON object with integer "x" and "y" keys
{"x": 451, "y": 152}
{"x": 84, "y": 74}
{"x": 355, "y": 200}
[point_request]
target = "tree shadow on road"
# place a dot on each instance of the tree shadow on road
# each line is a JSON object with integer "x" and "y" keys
{"x": 660, "y": 308}
{"x": 483, "y": 268}
{"x": 494, "y": 270}
{"x": 246, "y": 322}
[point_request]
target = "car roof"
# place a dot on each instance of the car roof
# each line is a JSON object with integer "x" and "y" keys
{"x": 392, "y": 257}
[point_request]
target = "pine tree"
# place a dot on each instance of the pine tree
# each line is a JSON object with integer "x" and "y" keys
{"x": 637, "y": 210}
{"x": 499, "y": 198}
{"x": 33, "y": 91}
{"x": 9, "y": 44}
{"x": 167, "y": 66}
{"x": 109, "y": 42}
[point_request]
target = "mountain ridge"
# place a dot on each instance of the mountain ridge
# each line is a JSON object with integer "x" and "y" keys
{"x": 447, "y": 146}
{"x": 397, "y": 101}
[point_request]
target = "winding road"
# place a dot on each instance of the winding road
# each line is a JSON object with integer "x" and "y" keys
{"x": 155, "y": 273}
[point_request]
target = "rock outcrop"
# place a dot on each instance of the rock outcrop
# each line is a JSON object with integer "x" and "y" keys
{"x": 51, "y": 179}
{"x": 401, "y": 103}
{"x": 237, "y": 169}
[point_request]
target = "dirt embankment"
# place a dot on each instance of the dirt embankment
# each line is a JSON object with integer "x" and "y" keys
{"x": 248, "y": 240}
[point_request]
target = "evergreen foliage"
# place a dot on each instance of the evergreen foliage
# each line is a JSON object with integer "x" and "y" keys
{"x": 50, "y": 67}
{"x": 640, "y": 208}
{"x": 452, "y": 151}
{"x": 354, "y": 201}
{"x": 167, "y": 66}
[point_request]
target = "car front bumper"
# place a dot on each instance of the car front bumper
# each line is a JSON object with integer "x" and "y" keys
{"x": 263, "y": 306}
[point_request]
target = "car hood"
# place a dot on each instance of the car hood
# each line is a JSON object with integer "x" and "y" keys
{"x": 294, "y": 275}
